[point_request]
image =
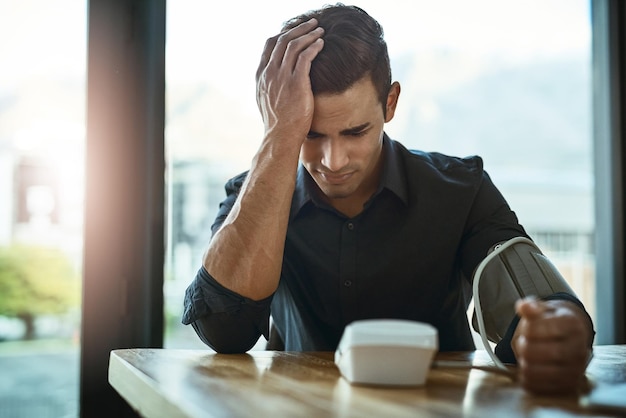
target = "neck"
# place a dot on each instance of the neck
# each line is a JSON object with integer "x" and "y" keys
{"x": 350, "y": 207}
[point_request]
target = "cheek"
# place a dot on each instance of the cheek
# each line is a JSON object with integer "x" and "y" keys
{"x": 308, "y": 152}
{"x": 368, "y": 151}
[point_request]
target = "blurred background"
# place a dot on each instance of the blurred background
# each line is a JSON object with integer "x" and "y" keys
{"x": 495, "y": 78}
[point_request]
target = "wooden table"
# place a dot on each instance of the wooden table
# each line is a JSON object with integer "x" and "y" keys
{"x": 194, "y": 383}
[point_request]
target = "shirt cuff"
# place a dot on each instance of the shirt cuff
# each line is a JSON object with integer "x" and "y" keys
{"x": 205, "y": 296}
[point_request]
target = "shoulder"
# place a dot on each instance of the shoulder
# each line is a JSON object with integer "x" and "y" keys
{"x": 234, "y": 184}
{"x": 440, "y": 165}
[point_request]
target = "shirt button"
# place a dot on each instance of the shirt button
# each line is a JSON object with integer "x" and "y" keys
{"x": 350, "y": 226}
{"x": 347, "y": 283}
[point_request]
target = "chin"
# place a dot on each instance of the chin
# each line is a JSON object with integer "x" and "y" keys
{"x": 336, "y": 193}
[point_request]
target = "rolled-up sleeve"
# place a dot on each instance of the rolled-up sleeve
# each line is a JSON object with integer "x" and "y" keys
{"x": 224, "y": 320}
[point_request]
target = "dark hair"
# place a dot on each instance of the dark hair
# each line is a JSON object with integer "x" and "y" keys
{"x": 354, "y": 47}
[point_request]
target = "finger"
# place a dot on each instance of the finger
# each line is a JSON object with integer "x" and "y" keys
{"x": 536, "y": 319}
{"x": 265, "y": 56}
{"x": 554, "y": 322}
{"x": 542, "y": 329}
{"x": 531, "y": 307}
{"x": 571, "y": 351}
{"x": 271, "y": 43}
{"x": 306, "y": 57}
{"x": 547, "y": 328}
{"x": 550, "y": 378}
{"x": 549, "y": 367}
{"x": 291, "y": 43}
{"x": 545, "y": 384}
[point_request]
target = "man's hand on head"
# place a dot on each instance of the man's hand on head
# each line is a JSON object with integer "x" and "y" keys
{"x": 284, "y": 94}
{"x": 552, "y": 346}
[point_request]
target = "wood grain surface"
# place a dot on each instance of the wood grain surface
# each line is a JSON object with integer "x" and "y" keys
{"x": 195, "y": 383}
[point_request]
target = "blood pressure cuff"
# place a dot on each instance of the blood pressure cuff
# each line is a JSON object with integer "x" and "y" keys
{"x": 516, "y": 271}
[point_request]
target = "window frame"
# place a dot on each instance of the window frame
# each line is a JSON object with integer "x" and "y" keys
{"x": 608, "y": 21}
{"x": 124, "y": 209}
{"x": 125, "y": 201}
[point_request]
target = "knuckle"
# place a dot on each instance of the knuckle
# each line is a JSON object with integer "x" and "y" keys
{"x": 293, "y": 45}
{"x": 560, "y": 353}
{"x": 283, "y": 39}
{"x": 270, "y": 44}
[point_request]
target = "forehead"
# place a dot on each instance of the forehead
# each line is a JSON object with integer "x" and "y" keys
{"x": 357, "y": 105}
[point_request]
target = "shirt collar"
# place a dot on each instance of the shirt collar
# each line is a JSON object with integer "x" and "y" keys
{"x": 392, "y": 179}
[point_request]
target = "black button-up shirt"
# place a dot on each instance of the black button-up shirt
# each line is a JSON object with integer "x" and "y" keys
{"x": 409, "y": 254}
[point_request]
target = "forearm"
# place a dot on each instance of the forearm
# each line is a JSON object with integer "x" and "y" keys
{"x": 245, "y": 255}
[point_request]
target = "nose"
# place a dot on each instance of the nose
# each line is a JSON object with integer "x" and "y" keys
{"x": 335, "y": 154}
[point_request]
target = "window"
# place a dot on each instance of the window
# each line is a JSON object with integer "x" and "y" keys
{"x": 493, "y": 78}
{"x": 484, "y": 77}
{"x": 42, "y": 128}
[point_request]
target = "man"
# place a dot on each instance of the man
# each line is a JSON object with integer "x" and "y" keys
{"x": 336, "y": 222}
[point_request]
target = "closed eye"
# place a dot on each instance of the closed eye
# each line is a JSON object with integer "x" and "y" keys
{"x": 357, "y": 131}
{"x": 358, "y": 134}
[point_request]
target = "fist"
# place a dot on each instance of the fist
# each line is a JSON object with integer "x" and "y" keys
{"x": 552, "y": 345}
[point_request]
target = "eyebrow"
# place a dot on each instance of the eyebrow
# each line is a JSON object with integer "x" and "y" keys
{"x": 347, "y": 131}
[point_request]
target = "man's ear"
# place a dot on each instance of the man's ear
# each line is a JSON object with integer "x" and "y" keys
{"x": 392, "y": 101}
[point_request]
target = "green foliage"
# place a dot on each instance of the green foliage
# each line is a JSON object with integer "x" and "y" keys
{"x": 36, "y": 281}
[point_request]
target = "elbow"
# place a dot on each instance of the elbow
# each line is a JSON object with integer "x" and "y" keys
{"x": 225, "y": 339}
{"x": 222, "y": 347}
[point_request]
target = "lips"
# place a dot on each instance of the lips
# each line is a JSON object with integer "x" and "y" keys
{"x": 336, "y": 178}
